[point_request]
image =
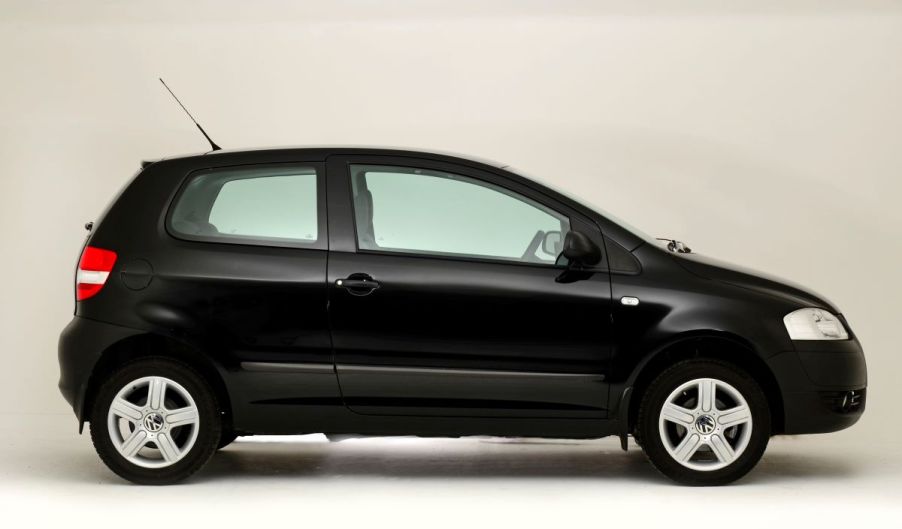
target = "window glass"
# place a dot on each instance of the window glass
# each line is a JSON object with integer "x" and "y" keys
{"x": 400, "y": 209}
{"x": 250, "y": 204}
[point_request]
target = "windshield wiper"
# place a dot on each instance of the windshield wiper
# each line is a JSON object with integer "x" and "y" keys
{"x": 676, "y": 246}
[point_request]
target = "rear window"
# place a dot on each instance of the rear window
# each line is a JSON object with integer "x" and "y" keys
{"x": 256, "y": 205}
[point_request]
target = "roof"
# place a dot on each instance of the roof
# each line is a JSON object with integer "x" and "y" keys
{"x": 344, "y": 149}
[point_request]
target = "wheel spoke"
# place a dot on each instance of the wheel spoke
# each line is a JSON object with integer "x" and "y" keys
{"x": 156, "y": 393}
{"x": 126, "y": 410}
{"x": 735, "y": 416}
{"x": 687, "y": 447}
{"x": 168, "y": 448}
{"x": 182, "y": 416}
{"x": 677, "y": 414}
{"x": 722, "y": 449}
{"x": 706, "y": 390}
{"x": 135, "y": 442}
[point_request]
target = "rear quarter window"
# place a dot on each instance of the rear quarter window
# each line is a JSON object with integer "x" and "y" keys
{"x": 249, "y": 205}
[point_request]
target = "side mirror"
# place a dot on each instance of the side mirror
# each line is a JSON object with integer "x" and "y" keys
{"x": 552, "y": 243}
{"x": 579, "y": 249}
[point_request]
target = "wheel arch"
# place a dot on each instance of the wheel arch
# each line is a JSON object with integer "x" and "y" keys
{"x": 717, "y": 345}
{"x": 147, "y": 345}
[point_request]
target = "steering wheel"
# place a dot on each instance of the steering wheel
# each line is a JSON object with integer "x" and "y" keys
{"x": 530, "y": 254}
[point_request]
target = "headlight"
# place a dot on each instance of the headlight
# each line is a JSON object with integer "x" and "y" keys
{"x": 814, "y": 324}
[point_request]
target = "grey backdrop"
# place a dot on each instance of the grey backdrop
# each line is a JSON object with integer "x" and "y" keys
{"x": 765, "y": 133}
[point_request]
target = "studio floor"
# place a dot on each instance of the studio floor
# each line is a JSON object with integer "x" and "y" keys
{"x": 50, "y": 474}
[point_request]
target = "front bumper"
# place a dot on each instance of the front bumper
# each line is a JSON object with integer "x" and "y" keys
{"x": 823, "y": 385}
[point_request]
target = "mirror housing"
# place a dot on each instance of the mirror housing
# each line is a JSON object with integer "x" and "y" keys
{"x": 579, "y": 249}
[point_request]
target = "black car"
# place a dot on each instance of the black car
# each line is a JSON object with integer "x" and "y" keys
{"x": 386, "y": 292}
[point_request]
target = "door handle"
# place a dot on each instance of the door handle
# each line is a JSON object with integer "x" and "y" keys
{"x": 358, "y": 284}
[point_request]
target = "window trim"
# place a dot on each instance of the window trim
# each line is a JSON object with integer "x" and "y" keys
{"x": 322, "y": 236}
{"x": 445, "y": 256}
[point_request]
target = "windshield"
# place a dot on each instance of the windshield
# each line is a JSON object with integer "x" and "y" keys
{"x": 613, "y": 218}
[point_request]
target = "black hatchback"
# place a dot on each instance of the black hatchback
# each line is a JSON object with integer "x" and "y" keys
{"x": 390, "y": 292}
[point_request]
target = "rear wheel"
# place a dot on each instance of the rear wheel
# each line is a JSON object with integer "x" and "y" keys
{"x": 704, "y": 422}
{"x": 155, "y": 421}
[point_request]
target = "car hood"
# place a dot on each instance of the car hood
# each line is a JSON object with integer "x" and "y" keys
{"x": 711, "y": 268}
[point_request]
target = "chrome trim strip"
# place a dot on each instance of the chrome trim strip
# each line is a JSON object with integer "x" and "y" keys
{"x": 284, "y": 367}
{"x": 355, "y": 369}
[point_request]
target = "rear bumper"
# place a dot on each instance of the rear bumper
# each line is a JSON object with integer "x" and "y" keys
{"x": 823, "y": 385}
{"x": 81, "y": 345}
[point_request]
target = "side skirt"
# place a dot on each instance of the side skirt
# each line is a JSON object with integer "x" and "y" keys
{"x": 287, "y": 419}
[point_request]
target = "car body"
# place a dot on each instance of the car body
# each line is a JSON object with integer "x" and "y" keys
{"x": 344, "y": 330}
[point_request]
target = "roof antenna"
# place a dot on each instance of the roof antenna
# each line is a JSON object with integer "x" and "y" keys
{"x": 201, "y": 129}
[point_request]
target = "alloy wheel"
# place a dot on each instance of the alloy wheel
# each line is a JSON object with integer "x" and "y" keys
{"x": 153, "y": 422}
{"x": 705, "y": 424}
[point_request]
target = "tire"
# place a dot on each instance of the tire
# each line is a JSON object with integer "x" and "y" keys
{"x": 704, "y": 441}
{"x": 226, "y": 438}
{"x": 165, "y": 424}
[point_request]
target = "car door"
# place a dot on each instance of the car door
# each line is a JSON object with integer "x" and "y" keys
{"x": 442, "y": 301}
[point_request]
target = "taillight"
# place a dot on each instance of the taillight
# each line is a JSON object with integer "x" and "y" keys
{"x": 94, "y": 268}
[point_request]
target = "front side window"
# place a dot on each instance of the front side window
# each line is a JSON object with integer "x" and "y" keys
{"x": 249, "y": 205}
{"x": 409, "y": 210}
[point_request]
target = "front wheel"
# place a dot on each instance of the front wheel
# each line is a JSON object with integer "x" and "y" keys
{"x": 704, "y": 422}
{"x": 155, "y": 421}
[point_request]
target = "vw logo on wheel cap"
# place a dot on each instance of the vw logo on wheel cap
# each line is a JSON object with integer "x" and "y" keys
{"x": 153, "y": 422}
{"x": 705, "y": 424}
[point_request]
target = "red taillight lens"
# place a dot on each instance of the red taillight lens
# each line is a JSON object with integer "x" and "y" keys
{"x": 94, "y": 268}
